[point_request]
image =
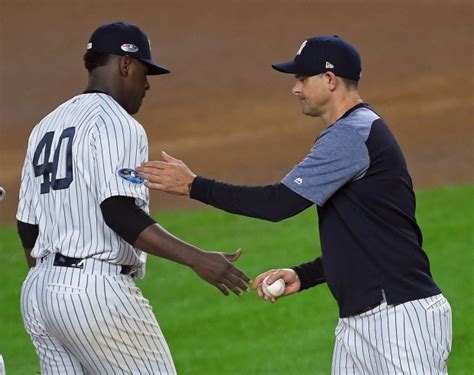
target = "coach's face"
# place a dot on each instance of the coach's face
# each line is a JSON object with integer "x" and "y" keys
{"x": 135, "y": 84}
{"x": 313, "y": 93}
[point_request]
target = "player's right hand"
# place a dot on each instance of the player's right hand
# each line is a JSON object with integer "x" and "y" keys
{"x": 217, "y": 269}
{"x": 288, "y": 275}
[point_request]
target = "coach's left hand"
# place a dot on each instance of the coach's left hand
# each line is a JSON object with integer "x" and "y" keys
{"x": 289, "y": 276}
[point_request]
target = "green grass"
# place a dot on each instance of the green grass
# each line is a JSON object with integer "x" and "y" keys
{"x": 212, "y": 334}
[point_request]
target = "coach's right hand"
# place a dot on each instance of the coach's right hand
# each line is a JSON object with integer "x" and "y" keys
{"x": 217, "y": 269}
{"x": 170, "y": 175}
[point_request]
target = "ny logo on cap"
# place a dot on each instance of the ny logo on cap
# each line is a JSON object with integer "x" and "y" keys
{"x": 301, "y": 48}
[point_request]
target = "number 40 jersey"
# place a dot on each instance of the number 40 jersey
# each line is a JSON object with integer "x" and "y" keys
{"x": 71, "y": 167}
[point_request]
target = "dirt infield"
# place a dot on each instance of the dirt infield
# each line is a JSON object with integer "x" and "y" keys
{"x": 223, "y": 109}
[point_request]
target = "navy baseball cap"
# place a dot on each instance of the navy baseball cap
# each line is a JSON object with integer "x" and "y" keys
{"x": 321, "y": 54}
{"x": 121, "y": 38}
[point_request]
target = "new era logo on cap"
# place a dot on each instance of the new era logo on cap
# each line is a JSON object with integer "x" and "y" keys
{"x": 329, "y": 65}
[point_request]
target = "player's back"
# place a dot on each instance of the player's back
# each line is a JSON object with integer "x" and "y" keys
{"x": 70, "y": 168}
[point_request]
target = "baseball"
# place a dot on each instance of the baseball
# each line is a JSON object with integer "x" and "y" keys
{"x": 274, "y": 290}
{"x": 2, "y": 193}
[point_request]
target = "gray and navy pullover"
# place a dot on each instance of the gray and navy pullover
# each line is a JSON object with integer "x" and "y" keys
{"x": 370, "y": 242}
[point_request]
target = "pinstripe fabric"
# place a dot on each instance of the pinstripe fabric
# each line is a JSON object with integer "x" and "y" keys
{"x": 106, "y": 139}
{"x": 410, "y": 338}
{"x": 92, "y": 320}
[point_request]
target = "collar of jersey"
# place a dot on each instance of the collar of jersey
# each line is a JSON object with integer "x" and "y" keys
{"x": 94, "y": 92}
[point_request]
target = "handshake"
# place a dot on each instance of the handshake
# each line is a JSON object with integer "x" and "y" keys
{"x": 217, "y": 269}
{"x": 270, "y": 285}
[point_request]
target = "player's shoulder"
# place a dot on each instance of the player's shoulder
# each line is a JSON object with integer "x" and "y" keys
{"x": 360, "y": 114}
{"x": 111, "y": 113}
{"x": 92, "y": 112}
{"x": 50, "y": 121}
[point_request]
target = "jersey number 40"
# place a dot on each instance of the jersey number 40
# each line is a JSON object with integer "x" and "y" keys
{"x": 49, "y": 170}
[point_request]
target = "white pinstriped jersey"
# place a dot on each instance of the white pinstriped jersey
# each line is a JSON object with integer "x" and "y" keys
{"x": 71, "y": 166}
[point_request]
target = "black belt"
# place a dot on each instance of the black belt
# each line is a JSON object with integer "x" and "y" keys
{"x": 64, "y": 261}
{"x": 368, "y": 308}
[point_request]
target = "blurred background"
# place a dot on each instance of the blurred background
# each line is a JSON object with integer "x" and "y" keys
{"x": 223, "y": 110}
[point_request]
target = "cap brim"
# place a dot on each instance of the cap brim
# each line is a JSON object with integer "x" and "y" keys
{"x": 154, "y": 68}
{"x": 286, "y": 67}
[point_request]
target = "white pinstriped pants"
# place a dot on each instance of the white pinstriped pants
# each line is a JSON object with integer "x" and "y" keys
{"x": 91, "y": 321}
{"x": 410, "y": 338}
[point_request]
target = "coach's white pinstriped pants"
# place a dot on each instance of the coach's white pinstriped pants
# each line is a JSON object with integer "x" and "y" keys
{"x": 92, "y": 320}
{"x": 410, "y": 338}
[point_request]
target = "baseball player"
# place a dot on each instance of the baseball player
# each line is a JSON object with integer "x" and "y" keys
{"x": 393, "y": 317}
{"x": 83, "y": 220}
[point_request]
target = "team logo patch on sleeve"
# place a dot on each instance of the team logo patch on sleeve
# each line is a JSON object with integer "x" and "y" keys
{"x": 131, "y": 175}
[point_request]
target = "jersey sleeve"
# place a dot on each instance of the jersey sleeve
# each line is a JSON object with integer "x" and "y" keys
{"x": 118, "y": 144}
{"x": 26, "y": 212}
{"x": 338, "y": 156}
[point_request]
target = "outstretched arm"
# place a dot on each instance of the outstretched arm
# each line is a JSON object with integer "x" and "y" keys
{"x": 141, "y": 231}
{"x": 271, "y": 202}
{"x": 214, "y": 267}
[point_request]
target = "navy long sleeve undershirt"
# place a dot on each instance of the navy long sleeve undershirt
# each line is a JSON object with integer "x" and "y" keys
{"x": 120, "y": 214}
{"x": 271, "y": 202}
{"x": 28, "y": 234}
{"x": 125, "y": 218}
